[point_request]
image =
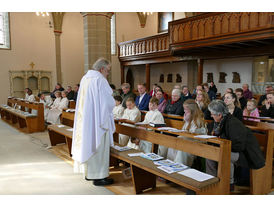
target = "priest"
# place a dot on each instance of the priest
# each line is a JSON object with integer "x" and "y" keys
{"x": 94, "y": 125}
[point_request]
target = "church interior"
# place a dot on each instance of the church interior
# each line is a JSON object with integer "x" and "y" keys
{"x": 38, "y": 50}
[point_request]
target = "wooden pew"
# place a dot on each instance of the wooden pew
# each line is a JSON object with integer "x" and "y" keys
{"x": 145, "y": 172}
{"x": 262, "y": 119}
{"x": 257, "y": 183}
{"x": 72, "y": 104}
{"x": 141, "y": 168}
{"x": 21, "y": 119}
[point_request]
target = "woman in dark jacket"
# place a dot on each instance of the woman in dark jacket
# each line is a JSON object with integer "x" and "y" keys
{"x": 175, "y": 105}
{"x": 233, "y": 105}
{"x": 268, "y": 108}
{"x": 245, "y": 150}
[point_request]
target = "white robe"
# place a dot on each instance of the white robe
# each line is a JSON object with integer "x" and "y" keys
{"x": 30, "y": 98}
{"x": 133, "y": 115}
{"x": 54, "y": 113}
{"x": 93, "y": 126}
{"x": 118, "y": 111}
{"x": 155, "y": 117}
{"x": 181, "y": 156}
{"x": 47, "y": 102}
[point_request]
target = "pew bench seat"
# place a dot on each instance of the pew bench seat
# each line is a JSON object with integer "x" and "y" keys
{"x": 59, "y": 135}
{"x": 144, "y": 173}
{"x": 24, "y": 121}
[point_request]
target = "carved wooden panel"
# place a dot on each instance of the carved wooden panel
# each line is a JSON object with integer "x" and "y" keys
{"x": 234, "y": 25}
{"x": 195, "y": 30}
{"x": 208, "y": 27}
{"x": 201, "y": 33}
{"x": 217, "y": 25}
{"x": 199, "y": 28}
{"x": 181, "y": 32}
{"x": 263, "y": 19}
{"x": 187, "y": 31}
{"x": 244, "y": 21}
{"x": 225, "y": 24}
{"x": 254, "y": 20}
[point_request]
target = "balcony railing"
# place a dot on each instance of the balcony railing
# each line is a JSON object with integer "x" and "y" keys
{"x": 205, "y": 30}
{"x": 148, "y": 45}
{"x": 218, "y": 25}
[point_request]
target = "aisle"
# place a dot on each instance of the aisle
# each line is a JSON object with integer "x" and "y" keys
{"x": 26, "y": 167}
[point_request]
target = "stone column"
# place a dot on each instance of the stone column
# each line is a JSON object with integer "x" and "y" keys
{"x": 97, "y": 42}
{"x": 57, "y": 23}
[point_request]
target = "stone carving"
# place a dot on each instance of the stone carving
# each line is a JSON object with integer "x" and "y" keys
{"x": 236, "y": 77}
{"x": 178, "y": 78}
{"x": 209, "y": 77}
{"x": 162, "y": 78}
{"x": 169, "y": 78}
{"x": 222, "y": 77}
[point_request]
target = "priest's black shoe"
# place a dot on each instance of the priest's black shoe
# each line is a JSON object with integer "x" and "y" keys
{"x": 88, "y": 179}
{"x": 102, "y": 182}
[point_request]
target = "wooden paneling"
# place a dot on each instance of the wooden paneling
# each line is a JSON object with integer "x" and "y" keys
{"x": 143, "y": 46}
{"x": 188, "y": 36}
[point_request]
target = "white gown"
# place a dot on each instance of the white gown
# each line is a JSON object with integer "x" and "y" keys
{"x": 118, "y": 111}
{"x": 133, "y": 115}
{"x": 155, "y": 117}
{"x": 181, "y": 156}
{"x": 54, "y": 113}
{"x": 47, "y": 102}
{"x": 93, "y": 126}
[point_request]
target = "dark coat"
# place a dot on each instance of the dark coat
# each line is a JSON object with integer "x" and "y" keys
{"x": 211, "y": 95}
{"x": 243, "y": 102}
{"x": 70, "y": 95}
{"x": 267, "y": 112}
{"x": 75, "y": 96}
{"x": 214, "y": 88}
{"x": 238, "y": 113}
{"x": 207, "y": 114}
{"x": 262, "y": 98}
{"x": 52, "y": 95}
{"x": 176, "y": 108}
{"x": 144, "y": 103}
{"x": 184, "y": 98}
{"x": 242, "y": 141}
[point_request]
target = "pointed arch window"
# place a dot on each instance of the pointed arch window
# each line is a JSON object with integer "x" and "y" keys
{"x": 4, "y": 31}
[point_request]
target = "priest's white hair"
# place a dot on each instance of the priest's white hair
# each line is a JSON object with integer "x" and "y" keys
{"x": 101, "y": 62}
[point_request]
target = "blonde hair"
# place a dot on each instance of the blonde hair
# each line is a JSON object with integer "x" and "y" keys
{"x": 197, "y": 115}
{"x": 154, "y": 100}
{"x": 130, "y": 99}
{"x": 205, "y": 100}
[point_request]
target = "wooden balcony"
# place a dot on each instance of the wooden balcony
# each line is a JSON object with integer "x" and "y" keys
{"x": 209, "y": 35}
{"x": 149, "y": 47}
{"x": 222, "y": 31}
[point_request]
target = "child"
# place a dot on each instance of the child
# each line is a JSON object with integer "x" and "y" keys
{"x": 118, "y": 110}
{"x": 153, "y": 116}
{"x": 251, "y": 110}
{"x": 133, "y": 115}
{"x": 59, "y": 104}
{"x": 193, "y": 123}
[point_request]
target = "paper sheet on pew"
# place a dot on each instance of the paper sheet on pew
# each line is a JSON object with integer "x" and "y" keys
{"x": 125, "y": 148}
{"x": 205, "y": 136}
{"x": 135, "y": 154}
{"x": 60, "y": 126}
{"x": 151, "y": 156}
{"x": 70, "y": 110}
{"x": 141, "y": 123}
{"x": 166, "y": 128}
{"x": 70, "y": 129}
{"x": 196, "y": 175}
